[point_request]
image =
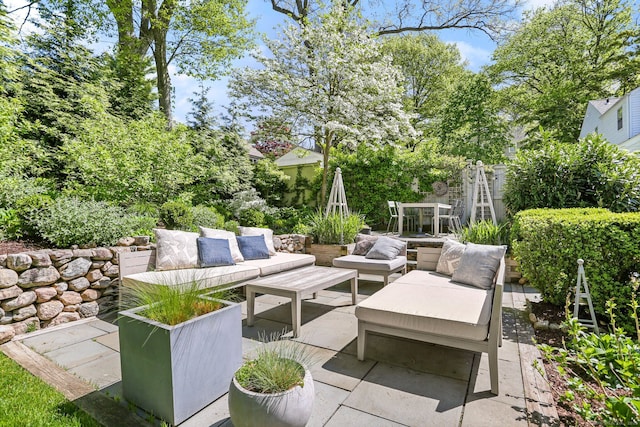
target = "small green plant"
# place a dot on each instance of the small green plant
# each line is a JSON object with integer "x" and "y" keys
{"x": 176, "y": 215}
{"x": 485, "y": 233}
{"x": 601, "y": 368}
{"x": 206, "y": 216}
{"x": 252, "y": 218}
{"x": 333, "y": 229}
{"x": 279, "y": 366}
{"x": 173, "y": 304}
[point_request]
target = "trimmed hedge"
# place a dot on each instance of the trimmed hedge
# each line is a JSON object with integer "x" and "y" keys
{"x": 548, "y": 242}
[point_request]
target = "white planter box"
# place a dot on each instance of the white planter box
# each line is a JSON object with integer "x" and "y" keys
{"x": 175, "y": 371}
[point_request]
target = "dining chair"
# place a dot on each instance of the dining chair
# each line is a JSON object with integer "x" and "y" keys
{"x": 453, "y": 217}
{"x": 393, "y": 216}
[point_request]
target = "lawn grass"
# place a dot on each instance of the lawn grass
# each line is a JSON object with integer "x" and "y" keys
{"x": 26, "y": 400}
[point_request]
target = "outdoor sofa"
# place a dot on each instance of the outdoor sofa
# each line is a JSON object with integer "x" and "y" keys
{"x": 459, "y": 305}
{"x": 177, "y": 261}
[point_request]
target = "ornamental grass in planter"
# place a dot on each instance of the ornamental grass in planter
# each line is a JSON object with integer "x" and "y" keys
{"x": 333, "y": 235}
{"x": 179, "y": 349}
{"x": 275, "y": 388}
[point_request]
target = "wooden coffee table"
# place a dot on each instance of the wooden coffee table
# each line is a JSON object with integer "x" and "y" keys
{"x": 293, "y": 283}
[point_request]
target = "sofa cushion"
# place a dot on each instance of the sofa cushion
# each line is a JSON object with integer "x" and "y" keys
{"x": 430, "y": 302}
{"x": 206, "y": 277}
{"x": 364, "y": 243}
{"x": 213, "y": 252}
{"x": 253, "y": 247}
{"x": 257, "y": 231}
{"x": 175, "y": 249}
{"x": 385, "y": 248}
{"x": 224, "y": 234}
{"x": 360, "y": 262}
{"x": 479, "y": 264}
{"x": 450, "y": 257}
{"x": 283, "y": 262}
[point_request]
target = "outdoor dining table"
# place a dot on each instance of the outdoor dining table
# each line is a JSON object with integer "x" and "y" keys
{"x": 420, "y": 205}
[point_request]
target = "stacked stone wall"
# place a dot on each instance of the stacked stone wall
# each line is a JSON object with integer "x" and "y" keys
{"x": 45, "y": 288}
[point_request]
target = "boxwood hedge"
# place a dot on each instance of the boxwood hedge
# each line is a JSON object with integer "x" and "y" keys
{"x": 548, "y": 242}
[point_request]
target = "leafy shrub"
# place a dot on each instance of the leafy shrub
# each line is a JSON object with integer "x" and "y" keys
{"x": 611, "y": 363}
{"x": 549, "y": 242}
{"x": 288, "y": 220}
{"x": 176, "y": 215}
{"x": 14, "y": 188}
{"x": 206, "y": 216}
{"x": 10, "y": 223}
{"x": 145, "y": 209}
{"x": 486, "y": 233}
{"x": 244, "y": 200}
{"x": 591, "y": 173}
{"x": 334, "y": 229}
{"x": 270, "y": 181}
{"x": 232, "y": 226}
{"x": 252, "y": 218}
{"x": 69, "y": 220}
{"x": 27, "y": 208}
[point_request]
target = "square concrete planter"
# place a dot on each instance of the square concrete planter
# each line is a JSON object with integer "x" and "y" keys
{"x": 175, "y": 371}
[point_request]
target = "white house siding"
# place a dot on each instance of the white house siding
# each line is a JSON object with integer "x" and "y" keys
{"x": 591, "y": 120}
{"x": 608, "y": 126}
{"x": 634, "y": 112}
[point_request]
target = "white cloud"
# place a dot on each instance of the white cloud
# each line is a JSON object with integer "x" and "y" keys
{"x": 476, "y": 56}
{"x": 535, "y": 4}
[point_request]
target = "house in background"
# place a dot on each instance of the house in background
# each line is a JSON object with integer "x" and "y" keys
{"x": 300, "y": 164}
{"x": 254, "y": 155}
{"x": 617, "y": 119}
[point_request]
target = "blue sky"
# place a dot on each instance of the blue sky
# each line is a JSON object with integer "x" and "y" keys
{"x": 474, "y": 46}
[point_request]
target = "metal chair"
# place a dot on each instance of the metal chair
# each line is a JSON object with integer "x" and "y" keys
{"x": 453, "y": 217}
{"x": 393, "y": 215}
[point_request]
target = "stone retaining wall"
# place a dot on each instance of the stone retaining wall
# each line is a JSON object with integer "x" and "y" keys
{"x": 50, "y": 287}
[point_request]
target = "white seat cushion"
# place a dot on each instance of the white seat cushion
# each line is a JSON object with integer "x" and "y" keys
{"x": 359, "y": 262}
{"x": 429, "y": 302}
{"x": 206, "y": 277}
{"x": 283, "y": 262}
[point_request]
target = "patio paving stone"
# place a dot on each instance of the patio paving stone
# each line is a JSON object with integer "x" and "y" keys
{"x": 328, "y": 400}
{"x": 346, "y": 416}
{"x": 339, "y": 369}
{"x": 100, "y": 373}
{"x": 409, "y": 397}
{"x": 79, "y": 353}
{"x": 44, "y": 343}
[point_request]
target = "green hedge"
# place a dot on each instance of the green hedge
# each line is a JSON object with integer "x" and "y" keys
{"x": 548, "y": 242}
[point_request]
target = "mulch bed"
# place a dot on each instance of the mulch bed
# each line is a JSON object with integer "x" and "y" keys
{"x": 18, "y": 246}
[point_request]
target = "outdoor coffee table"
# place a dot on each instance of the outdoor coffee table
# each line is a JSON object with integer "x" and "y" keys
{"x": 292, "y": 284}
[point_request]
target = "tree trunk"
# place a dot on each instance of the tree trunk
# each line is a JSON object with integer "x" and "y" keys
{"x": 164, "y": 79}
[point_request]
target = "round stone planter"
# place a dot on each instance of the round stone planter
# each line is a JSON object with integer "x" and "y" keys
{"x": 291, "y": 408}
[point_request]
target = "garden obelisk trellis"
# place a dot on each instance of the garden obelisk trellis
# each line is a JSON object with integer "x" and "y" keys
{"x": 337, "y": 203}
{"x": 481, "y": 197}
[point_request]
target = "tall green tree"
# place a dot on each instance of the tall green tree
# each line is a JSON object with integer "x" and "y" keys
{"x": 471, "y": 124}
{"x": 337, "y": 87}
{"x": 560, "y": 58}
{"x": 200, "y": 37}
{"x": 431, "y": 70}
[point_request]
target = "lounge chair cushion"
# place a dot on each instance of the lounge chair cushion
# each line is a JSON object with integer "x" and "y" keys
{"x": 283, "y": 262}
{"x": 360, "y": 262}
{"x": 429, "y": 302}
{"x": 206, "y": 277}
{"x": 479, "y": 264}
{"x": 385, "y": 248}
{"x": 224, "y": 234}
{"x": 176, "y": 249}
{"x": 257, "y": 231}
{"x": 450, "y": 257}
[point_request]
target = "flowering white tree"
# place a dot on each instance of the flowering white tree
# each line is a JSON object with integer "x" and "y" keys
{"x": 330, "y": 78}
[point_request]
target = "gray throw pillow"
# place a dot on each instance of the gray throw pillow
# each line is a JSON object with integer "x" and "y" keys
{"x": 176, "y": 249}
{"x": 450, "y": 257}
{"x": 364, "y": 242}
{"x": 478, "y": 265}
{"x": 385, "y": 248}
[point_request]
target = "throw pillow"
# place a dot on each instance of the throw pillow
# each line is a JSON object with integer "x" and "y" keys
{"x": 224, "y": 234}
{"x": 175, "y": 249}
{"x": 478, "y": 265}
{"x": 256, "y": 231}
{"x": 450, "y": 257}
{"x": 385, "y": 248}
{"x": 253, "y": 247}
{"x": 364, "y": 243}
{"x": 214, "y": 252}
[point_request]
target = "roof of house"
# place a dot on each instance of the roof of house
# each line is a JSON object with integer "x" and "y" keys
{"x": 604, "y": 105}
{"x": 299, "y": 156}
{"x": 254, "y": 153}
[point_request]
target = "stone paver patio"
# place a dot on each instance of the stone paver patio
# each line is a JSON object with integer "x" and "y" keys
{"x": 402, "y": 382}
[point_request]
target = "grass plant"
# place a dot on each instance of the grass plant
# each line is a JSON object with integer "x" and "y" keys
{"x": 172, "y": 304}
{"x": 279, "y": 366}
{"x": 485, "y": 233}
{"x": 29, "y": 401}
{"x": 333, "y": 229}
